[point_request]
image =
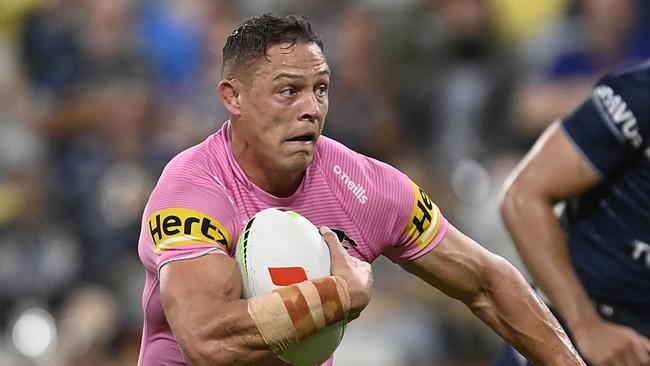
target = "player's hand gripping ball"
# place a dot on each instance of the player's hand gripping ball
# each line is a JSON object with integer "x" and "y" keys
{"x": 280, "y": 248}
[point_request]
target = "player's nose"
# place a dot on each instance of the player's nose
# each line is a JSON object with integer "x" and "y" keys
{"x": 312, "y": 108}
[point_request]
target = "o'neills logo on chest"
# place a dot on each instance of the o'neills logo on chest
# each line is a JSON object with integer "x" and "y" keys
{"x": 356, "y": 188}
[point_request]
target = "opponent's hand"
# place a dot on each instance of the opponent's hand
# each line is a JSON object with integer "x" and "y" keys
{"x": 356, "y": 273}
{"x": 606, "y": 344}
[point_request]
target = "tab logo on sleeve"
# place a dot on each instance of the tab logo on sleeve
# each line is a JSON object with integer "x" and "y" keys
{"x": 425, "y": 219}
{"x": 173, "y": 227}
{"x": 617, "y": 113}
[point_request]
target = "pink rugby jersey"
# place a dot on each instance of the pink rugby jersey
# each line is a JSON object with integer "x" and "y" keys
{"x": 203, "y": 201}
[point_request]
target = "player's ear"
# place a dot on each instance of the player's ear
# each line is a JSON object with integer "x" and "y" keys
{"x": 229, "y": 93}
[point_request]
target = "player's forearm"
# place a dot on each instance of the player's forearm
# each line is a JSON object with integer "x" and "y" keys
{"x": 497, "y": 293}
{"x": 542, "y": 245}
{"x": 509, "y": 306}
{"x": 247, "y": 331}
{"x": 231, "y": 338}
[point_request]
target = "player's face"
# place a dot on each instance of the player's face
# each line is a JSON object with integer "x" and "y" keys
{"x": 283, "y": 106}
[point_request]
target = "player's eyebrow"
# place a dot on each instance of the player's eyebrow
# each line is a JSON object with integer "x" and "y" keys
{"x": 298, "y": 76}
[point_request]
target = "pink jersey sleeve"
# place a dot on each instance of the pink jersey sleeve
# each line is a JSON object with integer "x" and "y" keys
{"x": 421, "y": 225}
{"x": 186, "y": 216}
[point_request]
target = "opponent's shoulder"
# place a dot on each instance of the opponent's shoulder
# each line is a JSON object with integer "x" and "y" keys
{"x": 624, "y": 95}
{"x": 636, "y": 73}
{"x": 617, "y": 109}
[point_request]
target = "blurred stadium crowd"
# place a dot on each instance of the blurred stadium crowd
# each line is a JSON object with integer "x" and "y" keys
{"x": 96, "y": 96}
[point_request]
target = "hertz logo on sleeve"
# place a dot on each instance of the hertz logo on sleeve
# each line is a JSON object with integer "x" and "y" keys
{"x": 173, "y": 227}
{"x": 425, "y": 219}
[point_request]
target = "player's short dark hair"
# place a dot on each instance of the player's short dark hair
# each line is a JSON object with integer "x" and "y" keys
{"x": 251, "y": 40}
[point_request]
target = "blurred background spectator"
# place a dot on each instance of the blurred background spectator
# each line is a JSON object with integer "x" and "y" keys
{"x": 97, "y": 96}
{"x": 573, "y": 53}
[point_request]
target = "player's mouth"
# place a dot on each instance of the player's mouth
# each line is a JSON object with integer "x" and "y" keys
{"x": 306, "y": 138}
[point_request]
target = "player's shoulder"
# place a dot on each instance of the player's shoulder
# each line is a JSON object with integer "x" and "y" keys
{"x": 386, "y": 204}
{"x": 191, "y": 160}
{"x": 190, "y": 196}
{"x": 197, "y": 171}
{"x": 369, "y": 181}
{"x": 332, "y": 152}
{"x": 202, "y": 164}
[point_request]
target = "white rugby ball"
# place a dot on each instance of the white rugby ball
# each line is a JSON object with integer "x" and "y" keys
{"x": 279, "y": 248}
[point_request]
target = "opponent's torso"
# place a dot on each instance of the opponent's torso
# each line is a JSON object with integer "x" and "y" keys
{"x": 609, "y": 238}
{"x": 609, "y": 227}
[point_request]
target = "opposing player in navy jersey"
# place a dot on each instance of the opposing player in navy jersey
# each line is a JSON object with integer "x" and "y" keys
{"x": 592, "y": 263}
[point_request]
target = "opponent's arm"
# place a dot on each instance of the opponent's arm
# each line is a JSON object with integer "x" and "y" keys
{"x": 498, "y": 294}
{"x": 213, "y": 326}
{"x": 552, "y": 171}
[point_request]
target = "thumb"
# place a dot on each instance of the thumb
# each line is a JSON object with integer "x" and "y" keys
{"x": 336, "y": 249}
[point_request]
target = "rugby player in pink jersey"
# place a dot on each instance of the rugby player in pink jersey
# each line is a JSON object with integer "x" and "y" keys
{"x": 270, "y": 154}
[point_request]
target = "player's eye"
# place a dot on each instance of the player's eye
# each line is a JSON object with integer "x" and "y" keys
{"x": 289, "y": 92}
{"x": 321, "y": 90}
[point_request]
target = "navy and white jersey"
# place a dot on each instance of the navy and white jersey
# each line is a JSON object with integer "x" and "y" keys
{"x": 608, "y": 228}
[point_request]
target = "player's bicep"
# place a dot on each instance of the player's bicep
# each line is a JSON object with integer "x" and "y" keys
{"x": 455, "y": 266}
{"x": 194, "y": 290}
{"x": 554, "y": 167}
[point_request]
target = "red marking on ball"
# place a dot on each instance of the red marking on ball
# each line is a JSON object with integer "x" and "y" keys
{"x": 285, "y": 276}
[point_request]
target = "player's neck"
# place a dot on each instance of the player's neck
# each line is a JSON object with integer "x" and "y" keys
{"x": 279, "y": 183}
{"x": 264, "y": 174}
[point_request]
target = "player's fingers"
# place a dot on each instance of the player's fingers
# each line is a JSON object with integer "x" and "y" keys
{"x": 632, "y": 354}
{"x": 645, "y": 343}
{"x": 608, "y": 363}
{"x": 644, "y": 358}
{"x": 640, "y": 354}
{"x": 635, "y": 357}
